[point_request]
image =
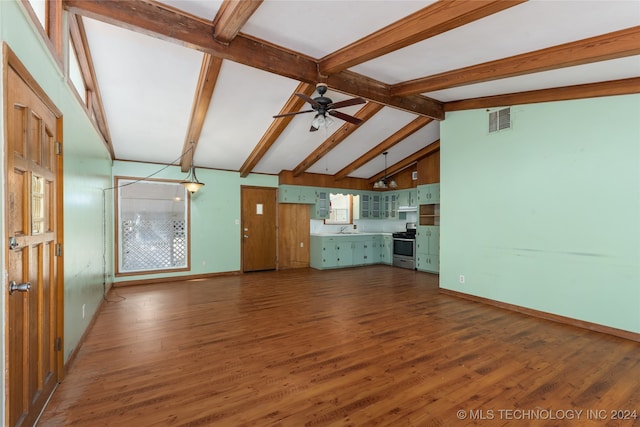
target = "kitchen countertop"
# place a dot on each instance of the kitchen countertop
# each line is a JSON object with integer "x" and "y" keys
{"x": 352, "y": 234}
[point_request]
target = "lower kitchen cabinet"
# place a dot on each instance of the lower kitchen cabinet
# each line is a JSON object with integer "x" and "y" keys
{"x": 344, "y": 251}
{"x": 386, "y": 250}
{"x": 428, "y": 249}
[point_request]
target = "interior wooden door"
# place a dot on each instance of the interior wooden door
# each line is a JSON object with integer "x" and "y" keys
{"x": 259, "y": 250}
{"x": 33, "y": 333}
{"x": 293, "y": 235}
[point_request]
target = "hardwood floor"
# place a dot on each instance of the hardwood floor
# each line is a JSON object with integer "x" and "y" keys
{"x": 360, "y": 347}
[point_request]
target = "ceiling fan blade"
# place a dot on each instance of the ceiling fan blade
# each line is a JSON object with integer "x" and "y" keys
{"x": 345, "y": 117}
{"x": 292, "y": 114}
{"x": 308, "y": 99}
{"x": 347, "y": 103}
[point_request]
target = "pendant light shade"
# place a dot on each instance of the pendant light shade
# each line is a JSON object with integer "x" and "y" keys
{"x": 191, "y": 182}
{"x": 384, "y": 183}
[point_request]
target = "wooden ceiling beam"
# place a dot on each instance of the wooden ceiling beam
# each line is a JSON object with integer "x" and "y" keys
{"x": 434, "y": 19}
{"x": 293, "y": 104}
{"x": 618, "y": 44}
{"x": 365, "y": 113}
{"x": 392, "y": 140}
{"x": 231, "y": 16}
{"x": 589, "y": 90}
{"x": 207, "y": 80}
{"x": 81, "y": 46}
{"x": 158, "y": 21}
{"x": 406, "y": 162}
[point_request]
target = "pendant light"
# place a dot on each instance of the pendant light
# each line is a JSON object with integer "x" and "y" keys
{"x": 383, "y": 182}
{"x": 191, "y": 182}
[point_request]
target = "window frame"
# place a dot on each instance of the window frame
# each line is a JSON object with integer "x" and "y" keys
{"x": 122, "y": 181}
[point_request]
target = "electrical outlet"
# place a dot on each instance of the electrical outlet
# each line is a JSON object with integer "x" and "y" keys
{"x": 461, "y": 279}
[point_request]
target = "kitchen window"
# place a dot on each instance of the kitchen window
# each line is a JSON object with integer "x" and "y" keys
{"x": 153, "y": 226}
{"x": 341, "y": 209}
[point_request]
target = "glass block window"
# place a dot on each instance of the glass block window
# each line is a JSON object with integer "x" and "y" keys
{"x": 152, "y": 219}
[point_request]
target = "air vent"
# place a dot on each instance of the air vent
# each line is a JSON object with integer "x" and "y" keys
{"x": 499, "y": 120}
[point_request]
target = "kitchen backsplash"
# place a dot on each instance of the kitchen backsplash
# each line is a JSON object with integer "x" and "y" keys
{"x": 364, "y": 225}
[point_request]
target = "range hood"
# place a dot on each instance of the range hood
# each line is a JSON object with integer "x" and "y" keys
{"x": 407, "y": 208}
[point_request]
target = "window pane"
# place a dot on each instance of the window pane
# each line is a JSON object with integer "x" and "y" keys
{"x": 153, "y": 226}
{"x": 40, "y": 9}
{"x": 75, "y": 75}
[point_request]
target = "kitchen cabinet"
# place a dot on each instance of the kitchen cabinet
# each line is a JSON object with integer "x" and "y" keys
{"x": 370, "y": 205}
{"x": 332, "y": 251}
{"x": 428, "y": 194}
{"x": 390, "y": 205}
{"x": 296, "y": 194}
{"x": 376, "y": 206}
{"x": 408, "y": 197}
{"x": 322, "y": 205}
{"x": 428, "y": 248}
{"x": 386, "y": 250}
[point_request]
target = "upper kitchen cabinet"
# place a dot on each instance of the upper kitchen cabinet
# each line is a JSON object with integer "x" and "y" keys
{"x": 428, "y": 194}
{"x": 407, "y": 197}
{"x": 296, "y": 194}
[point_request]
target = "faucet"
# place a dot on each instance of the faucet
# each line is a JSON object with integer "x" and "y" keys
{"x": 343, "y": 229}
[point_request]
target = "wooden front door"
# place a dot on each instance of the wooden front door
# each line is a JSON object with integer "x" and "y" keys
{"x": 33, "y": 301}
{"x": 258, "y": 228}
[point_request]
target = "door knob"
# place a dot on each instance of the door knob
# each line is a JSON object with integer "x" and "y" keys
{"x": 18, "y": 287}
{"x": 13, "y": 243}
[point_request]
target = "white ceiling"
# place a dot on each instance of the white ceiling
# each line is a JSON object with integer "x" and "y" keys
{"x": 148, "y": 85}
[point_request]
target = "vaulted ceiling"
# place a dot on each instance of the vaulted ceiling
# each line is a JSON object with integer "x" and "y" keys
{"x": 178, "y": 78}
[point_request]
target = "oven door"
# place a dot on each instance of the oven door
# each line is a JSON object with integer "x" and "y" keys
{"x": 404, "y": 252}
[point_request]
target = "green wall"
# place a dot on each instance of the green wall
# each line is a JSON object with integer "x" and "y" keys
{"x": 215, "y": 215}
{"x": 87, "y": 169}
{"x": 546, "y": 215}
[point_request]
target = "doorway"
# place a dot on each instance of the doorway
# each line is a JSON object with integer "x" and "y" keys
{"x": 33, "y": 244}
{"x": 259, "y": 244}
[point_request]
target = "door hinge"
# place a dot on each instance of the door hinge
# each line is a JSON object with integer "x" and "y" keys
{"x": 58, "y": 147}
{"x": 58, "y": 249}
{"x": 58, "y": 344}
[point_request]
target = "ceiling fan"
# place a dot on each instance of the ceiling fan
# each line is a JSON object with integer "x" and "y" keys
{"x": 323, "y": 105}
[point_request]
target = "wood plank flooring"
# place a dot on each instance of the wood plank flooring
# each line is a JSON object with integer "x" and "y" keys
{"x": 355, "y": 347}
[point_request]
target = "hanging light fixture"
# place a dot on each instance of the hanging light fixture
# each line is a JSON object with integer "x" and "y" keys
{"x": 383, "y": 183}
{"x": 191, "y": 183}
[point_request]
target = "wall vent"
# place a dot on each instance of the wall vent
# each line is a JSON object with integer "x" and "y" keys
{"x": 499, "y": 120}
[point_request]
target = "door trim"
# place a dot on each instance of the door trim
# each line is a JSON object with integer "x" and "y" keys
{"x": 11, "y": 60}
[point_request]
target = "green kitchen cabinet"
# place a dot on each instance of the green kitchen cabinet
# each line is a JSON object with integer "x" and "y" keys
{"x": 332, "y": 251}
{"x": 296, "y": 194}
{"x": 428, "y": 248}
{"x": 386, "y": 249}
{"x": 390, "y": 204}
{"x": 322, "y": 205}
{"x": 376, "y": 206}
{"x": 428, "y": 194}
{"x": 365, "y": 205}
{"x": 408, "y": 197}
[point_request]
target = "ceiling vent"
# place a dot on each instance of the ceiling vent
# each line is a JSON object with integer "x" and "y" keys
{"x": 499, "y": 120}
